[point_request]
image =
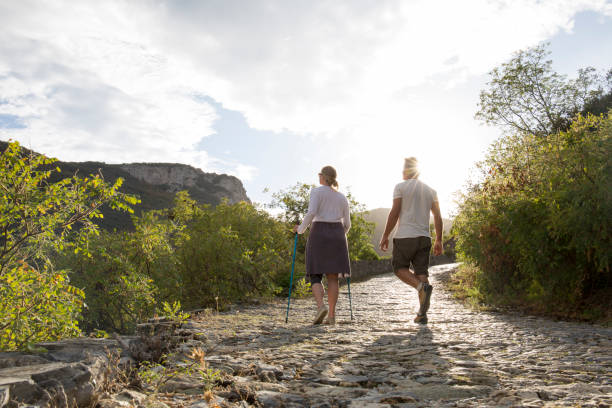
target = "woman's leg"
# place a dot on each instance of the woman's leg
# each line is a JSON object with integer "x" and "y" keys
{"x": 332, "y": 293}
{"x": 317, "y": 291}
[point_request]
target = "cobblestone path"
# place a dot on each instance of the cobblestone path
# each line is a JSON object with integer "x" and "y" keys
{"x": 461, "y": 358}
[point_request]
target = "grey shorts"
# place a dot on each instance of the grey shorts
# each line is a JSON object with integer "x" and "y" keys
{"x": 413, "y": 252}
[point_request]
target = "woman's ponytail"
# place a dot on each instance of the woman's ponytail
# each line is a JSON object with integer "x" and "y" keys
{"x": 329, "y": 174}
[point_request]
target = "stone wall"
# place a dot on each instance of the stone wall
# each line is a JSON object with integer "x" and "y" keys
{"x": 364, "y": 270}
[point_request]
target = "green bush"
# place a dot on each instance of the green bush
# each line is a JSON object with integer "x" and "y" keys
{"x": 538, "y": 223}
{"x": 37, "y": 306}
{"x": 197, "y": 255}
{"x": 38, "y": 219}
{"x": 232, "y": 252}
{"x": 118, "y": 292}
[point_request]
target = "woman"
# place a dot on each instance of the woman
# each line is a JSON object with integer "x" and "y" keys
{"x": 326, "y": 249}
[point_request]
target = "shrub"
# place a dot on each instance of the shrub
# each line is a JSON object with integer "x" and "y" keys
{"x": 119, "y": 294}
{"x": 232, "y": 252}
{"x": 37, "y": 219}
{"x": 37, "y": 306}
{"x": 538, "y": 222}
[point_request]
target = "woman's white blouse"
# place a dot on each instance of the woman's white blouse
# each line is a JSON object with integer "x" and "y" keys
{"x": 326, "y": 205}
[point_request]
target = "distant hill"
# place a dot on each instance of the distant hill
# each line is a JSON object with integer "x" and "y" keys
{"x": 379, "y": 217}
{"x": 155, "y": 184}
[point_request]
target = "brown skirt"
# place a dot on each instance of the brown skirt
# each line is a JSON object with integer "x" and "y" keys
{"x": 327, "y": 250}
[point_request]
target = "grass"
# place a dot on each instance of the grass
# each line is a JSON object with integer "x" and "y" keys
{"x": 464, "y": 285}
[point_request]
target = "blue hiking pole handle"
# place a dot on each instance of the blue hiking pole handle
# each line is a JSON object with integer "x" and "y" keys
{"x": 348, "y": 281}
{"x": 291, "y": 281}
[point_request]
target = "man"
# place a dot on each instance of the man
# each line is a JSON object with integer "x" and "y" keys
{"x": 413, "y": 200}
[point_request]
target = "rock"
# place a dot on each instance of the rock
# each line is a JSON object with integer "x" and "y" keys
{"x": 73, "y": 380}
{"x": 172, "y": 386}
{"x": 214, "y": 401}
{"x": 19, "y": 360}
{"x": 131, "y": 396}
{"x": 4, "y": 395}
{"x": 176, "y": 177}
{"x": 269, "y": 399}
{"x": 113, "y": 403}
{"x": 69, "y": 371}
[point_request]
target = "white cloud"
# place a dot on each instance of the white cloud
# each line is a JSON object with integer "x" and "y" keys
{"x": 88, "y": 87}
{"x": 317, "y": 66}
{"x": 121, "y": 81}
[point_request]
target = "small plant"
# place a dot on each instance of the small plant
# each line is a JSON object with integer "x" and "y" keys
{"x": 117, "y": 375}
{"x": 155, "y": 375}
{"x": 173, "y": 312}
{"x": 209, "y": 376}
{"x": 99, "y": 334}
{"x": 302, "y": 288}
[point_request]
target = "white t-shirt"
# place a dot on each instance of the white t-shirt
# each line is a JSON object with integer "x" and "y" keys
{"x": 417, "y": 198}
{"x": 326, "y": 205}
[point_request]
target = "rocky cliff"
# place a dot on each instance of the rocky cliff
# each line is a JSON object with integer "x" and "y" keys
{"x": 154, "y": 183}
{"x": 176, "y": 177}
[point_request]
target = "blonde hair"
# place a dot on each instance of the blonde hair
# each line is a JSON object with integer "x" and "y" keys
{"x": 329, "y": 174}
{"x": 411, "y": 168}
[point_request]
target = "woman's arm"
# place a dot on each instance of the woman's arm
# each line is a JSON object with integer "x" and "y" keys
{"x": 313, "y": 206}
{"x": 346, "y": 218}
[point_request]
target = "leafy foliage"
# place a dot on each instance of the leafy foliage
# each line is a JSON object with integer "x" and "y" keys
{"x": 37, "y": 216}
{"x": 232, "y": 252}
{"x": 173, "y": 312}
{"x": 193, "y": 254}
{"x": 538, "y": 223}
{"x": 37, "y": 306}
{"x": 155, "y": 375}
{"x": 527, "y": 95}
{"x": 119, "y": 293}
{"x": 37, "y": 219}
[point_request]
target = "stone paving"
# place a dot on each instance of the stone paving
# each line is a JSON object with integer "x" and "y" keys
{"x": 462, "y": 358}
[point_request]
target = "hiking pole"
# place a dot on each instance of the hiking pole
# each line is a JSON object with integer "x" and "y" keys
{"x": 348, "y": 281}
{"x": 291, "y": 281}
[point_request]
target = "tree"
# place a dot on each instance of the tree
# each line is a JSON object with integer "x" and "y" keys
{"x": 525, "y": 94}
{"x": 294, "y": 205}
{"x": 38, "y": 218}
{"x": 538, "y": 225}
{"x": 601, "y": 104}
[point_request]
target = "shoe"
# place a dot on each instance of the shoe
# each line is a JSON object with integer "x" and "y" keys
{"x": 321, "y": 313}
{"x": 424, "y": 298}
{"x": 422, "y": 319}
{"x": 330, "y": 321}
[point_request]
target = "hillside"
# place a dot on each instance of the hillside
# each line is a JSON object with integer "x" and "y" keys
{"x": 155, "y": 184}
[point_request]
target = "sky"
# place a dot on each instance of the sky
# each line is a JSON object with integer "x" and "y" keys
{"x": 271, "y": 91}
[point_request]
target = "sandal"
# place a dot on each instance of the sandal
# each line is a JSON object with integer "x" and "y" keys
{"x": 421, "y": 318}
{"x": 330, "y": 321}
{"x": 321, "y": 313}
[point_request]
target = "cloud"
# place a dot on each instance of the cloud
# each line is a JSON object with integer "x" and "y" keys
{"x": 320, "y": 67}
{"x": 86, "y": 86}
{"x": 128, "y": 81}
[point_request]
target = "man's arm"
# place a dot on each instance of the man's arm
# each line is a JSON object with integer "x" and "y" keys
{"x": 391, "y": 221}
{"x": 435, "y": 209}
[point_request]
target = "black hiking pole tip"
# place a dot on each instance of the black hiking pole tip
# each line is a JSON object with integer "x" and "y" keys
{"x": 348, "y": 281}
{"x": 291, "y": 281}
